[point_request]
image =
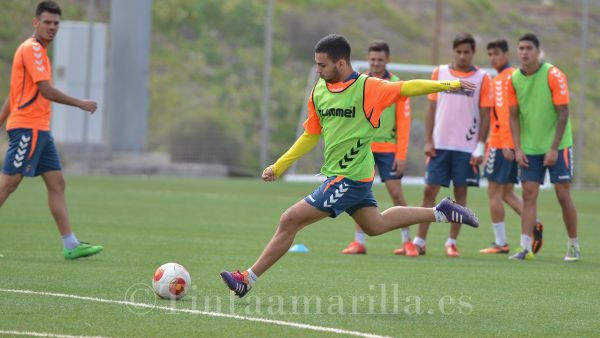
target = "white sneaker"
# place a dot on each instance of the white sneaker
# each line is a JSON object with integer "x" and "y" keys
{"x": 573, "y": 254}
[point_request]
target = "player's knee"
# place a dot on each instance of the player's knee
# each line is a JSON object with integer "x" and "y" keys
{"x": 529, "y": 195}
{"x": 288, "y": 222}
{"x": 371, "y": 231}
{"x": 429, "y": 194}
{"x": 495, "y": 195}
{"x": 563, "y": 196}
{"x": 397, "y": 197}
{"x": 507, "y": 195}
{"x": 59, "y": 185}
{"x": 8, "y": 188}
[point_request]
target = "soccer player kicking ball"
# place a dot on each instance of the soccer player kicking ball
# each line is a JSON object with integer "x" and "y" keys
{"x": 345, "y": 108}
{"x": 539, "y": 121}
{"x": 31, "y": 150}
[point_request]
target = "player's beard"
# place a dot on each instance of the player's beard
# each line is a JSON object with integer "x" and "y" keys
{"x": 333, "y": 78}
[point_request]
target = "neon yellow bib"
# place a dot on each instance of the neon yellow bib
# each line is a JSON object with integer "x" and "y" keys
{"x": 347, "y": 133}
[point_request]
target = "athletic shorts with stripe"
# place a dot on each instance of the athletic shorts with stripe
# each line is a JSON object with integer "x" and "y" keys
{"x": 560, "y": 172}
{"x": 30, "y": 153}
{"x": 500, "y": 170}
{"x": 451, "y": 165}
{"x": 338, "y": 194}
{"x": 384, "y": 163}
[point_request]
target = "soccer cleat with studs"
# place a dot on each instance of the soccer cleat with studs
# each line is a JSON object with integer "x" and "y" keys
{"x": 496, "y": 249}
{"x": 456, "y": 213}
{"x": 523, "y": 255}
{"x": 355, "y": 248}
{"x": 537, "y": 236}
{"x": 237, "y": 282}
{"x": 82, "y": 250}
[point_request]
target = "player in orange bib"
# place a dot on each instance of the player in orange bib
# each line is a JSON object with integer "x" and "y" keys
{"x": 500, "y": 168}
{"x": 389, "y": 147}
{"x": 27, "y": 111}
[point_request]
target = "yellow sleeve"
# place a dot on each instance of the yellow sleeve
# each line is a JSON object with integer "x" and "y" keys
{"x": 422, "y": 87}
{"x": 302, "y": 146}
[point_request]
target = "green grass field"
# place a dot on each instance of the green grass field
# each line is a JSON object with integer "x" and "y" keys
{"x": 211, "y": 225}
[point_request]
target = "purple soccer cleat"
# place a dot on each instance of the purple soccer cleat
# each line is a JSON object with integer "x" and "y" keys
{"x": 456, "y": 213}
{"x": 237, "y": 282}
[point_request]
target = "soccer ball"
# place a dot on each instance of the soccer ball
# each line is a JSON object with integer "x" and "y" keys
{"x": 171, "y": 281}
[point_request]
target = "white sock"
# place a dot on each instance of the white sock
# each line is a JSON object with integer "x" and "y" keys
{"x": 70, "y": 241}
{"x": 439, "y": 216}
{"x": 419, "y": 241}
{"x": 500, "y": 232}
{"x": 450, "y": 241}
{"x": 359, "y": 236}
{"x": 574, "y": 242}
{"x": 405, "y": 234}
{"x": 252, "y": 277}
{"x": 526, "y": 242}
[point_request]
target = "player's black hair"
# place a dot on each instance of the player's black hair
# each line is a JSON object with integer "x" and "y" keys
{"x": 531, "y": 37}
{"x": 498, "y": 43}
{"x": 48, "y": 6}
{"x": 379, "y": 46}
{"x": 335, "y": 46}
{"x": 463, "y": 37}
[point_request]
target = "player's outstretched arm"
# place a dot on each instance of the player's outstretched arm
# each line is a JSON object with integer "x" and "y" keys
{"x": 302, "y": 146}
{"x": 55, "y": 95}
{"x": 422, "y": 87}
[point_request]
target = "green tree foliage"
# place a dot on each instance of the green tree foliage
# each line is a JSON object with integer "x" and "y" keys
{"x": 207, "y": 59}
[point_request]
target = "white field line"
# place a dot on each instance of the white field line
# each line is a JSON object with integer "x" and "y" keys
{"x": 198, "y": 312}
{"x": 42, "y": 334}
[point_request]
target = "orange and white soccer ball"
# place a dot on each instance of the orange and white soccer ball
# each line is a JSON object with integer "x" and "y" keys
{"x": 171, "y": 281}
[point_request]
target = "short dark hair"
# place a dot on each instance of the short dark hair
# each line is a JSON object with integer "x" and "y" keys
{"x": 379, "y": 46}
{"x": 335, "y": 46}
{"x": 531, "y": 37}
{"x": 48, "y": 6}
{"x": 463, "y": 37}
{"x": 498, "y": 43}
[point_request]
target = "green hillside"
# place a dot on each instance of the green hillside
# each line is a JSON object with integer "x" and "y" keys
{"x": 207, "y": 60}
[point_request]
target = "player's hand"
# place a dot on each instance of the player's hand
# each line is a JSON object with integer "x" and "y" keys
{"x": 268, "y": 174}
{"x": 430, "y": 149}
{"x": 521, "y": 158}
{"x": 478, "y": 154}
{"x": 476, "y": 160}
{"x": 464, "y": 84}
{"x": 550, "y": 158}
{"x": 88, "y": 105}
{"x": 399, "y": 166}
{"x": 508, "y": 154}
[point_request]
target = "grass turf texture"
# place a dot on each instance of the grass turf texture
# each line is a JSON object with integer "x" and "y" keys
{"x": 211, "y": 225}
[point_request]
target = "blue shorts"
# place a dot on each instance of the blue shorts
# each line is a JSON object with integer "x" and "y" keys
{"x": 338, "y": 194}
{"x": 30, "y": 153}
{"x": 500, "y": 170}
{"x": 384, "y": 163}
{"x": 561, "y": 172}
{"x": 451, "y": 165}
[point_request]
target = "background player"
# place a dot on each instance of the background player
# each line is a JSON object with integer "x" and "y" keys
{"x": 455, "y": 131}
{"x": 500, "y": 168}
{"x": 390, "y": 145}
{"x": 31, "y": 150}
{"x": 539, "y": 119}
